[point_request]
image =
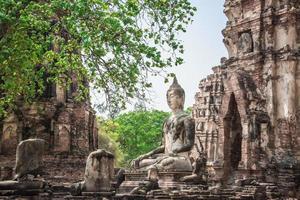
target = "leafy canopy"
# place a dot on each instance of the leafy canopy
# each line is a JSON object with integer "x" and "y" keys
{"x": 112, "y": 44}
{"x": 108, "y": 141}
{"x": 136, "y": 132}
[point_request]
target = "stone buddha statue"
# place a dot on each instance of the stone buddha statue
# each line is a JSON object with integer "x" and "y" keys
{"x": 178, "y": 138}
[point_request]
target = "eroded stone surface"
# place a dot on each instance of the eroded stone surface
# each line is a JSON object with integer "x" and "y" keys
{"x": 99, "y": 171}
{"x": 29, "y": 157}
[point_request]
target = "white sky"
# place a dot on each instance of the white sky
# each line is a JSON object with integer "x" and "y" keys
{"x": 203, "y": 50}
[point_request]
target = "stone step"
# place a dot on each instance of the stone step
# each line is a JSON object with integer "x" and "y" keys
{"x": 227, "y": 190}
{"x": 60, "y": 194}
{"x": 31, "y": 192}
{"x": 129, "y": 197}
{"x": 209, "y": 197}
{"x": 7, "y": 192}
{"x": 227, "y": 193}
{"x": 247, "y": 197}
{"x": 70, "y": 197}
{"x": 5, "y": 197}
{"x": 234, "y": 198}
{"x": 60, "y": 188}
{"x": 198, "y": 193}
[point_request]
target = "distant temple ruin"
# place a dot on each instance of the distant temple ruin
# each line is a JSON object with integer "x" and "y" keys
{"x": 68, "y": 127}
{"x": 248, "y": 111}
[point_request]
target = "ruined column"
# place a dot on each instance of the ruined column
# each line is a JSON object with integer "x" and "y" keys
{"x": 99, "y": 171}
{"x": 296, "y": 141}
{"x": 286, "y": 104}
{"x": 29, "y": 157}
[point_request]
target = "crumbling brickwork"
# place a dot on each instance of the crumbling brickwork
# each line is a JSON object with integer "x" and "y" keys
{"x": 68, "y": 127}
{"x": 249, "y": 127}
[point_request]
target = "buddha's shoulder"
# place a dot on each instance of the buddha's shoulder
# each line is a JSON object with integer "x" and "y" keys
{"x": 180, "y": 118}
{"x": 185, "y": 117}
{"x": 188, "y": 119}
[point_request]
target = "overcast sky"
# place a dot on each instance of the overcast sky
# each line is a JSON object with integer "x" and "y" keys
{"x": 203, "y": 50}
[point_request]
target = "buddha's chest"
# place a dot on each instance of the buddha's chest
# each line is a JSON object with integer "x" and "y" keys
{"x": 174, "y": 133}
{"x": 174, "y": 127}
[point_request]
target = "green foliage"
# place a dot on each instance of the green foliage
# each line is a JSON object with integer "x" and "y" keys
{"x": 107, "y": 142}
{"x": 189, "y": 110}
{"x": 136, "y": 132}
{"x": 112, "y": 44}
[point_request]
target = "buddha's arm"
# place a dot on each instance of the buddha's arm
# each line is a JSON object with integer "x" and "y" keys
{"x": 136, "y": 162}
{"x": 158, "y": 150}
{"x": 189, "y": 126}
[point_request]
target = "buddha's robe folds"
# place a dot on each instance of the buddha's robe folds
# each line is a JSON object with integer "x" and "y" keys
{"x": 178, "y": 139}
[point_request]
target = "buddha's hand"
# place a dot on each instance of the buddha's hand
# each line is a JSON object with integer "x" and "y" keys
{"x": 172, "y": 154}
{"x": 175, "y": 151}
{"x": 136, "y": 162}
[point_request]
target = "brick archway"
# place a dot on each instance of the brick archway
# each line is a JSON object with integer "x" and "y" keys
{"x": 234, "y": 140}
{"x": 233, "y": 129}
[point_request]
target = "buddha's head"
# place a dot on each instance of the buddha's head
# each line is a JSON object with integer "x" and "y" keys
{"x": 175, "y": 96}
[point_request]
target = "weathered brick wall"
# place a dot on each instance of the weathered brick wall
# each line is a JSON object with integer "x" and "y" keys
{"x": 69, "y": 129}
{"x": 263, "y": 74}
{"x": 64, "y": 168}
{"x": 58, "y": 169}
{"x": 6, "y": 167}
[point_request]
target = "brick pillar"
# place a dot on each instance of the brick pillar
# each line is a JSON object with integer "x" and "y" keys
{"x": 245, "y": 146}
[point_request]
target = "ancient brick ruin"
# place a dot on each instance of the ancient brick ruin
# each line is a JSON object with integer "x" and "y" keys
{"x": 68, "y": 127}
{"x": 247, "y": 111}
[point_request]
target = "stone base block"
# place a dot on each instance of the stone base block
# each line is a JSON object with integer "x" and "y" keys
{"x": 129, "y": 197}
{"x": 22, "y": 188}
{"x": 26, "y": 185}
{"x": 167, "y": 180}
{"x": 91, "y": 195}
{"x": 29, "y": 192}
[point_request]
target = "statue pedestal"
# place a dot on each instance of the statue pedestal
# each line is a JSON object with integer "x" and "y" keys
{"x": 167, "y": 180}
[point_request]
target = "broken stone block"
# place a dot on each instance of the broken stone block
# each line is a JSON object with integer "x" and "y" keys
{"x": 29, "y": 157}
{"x": 99, "y": 171}
{"x": 17, "y": 185}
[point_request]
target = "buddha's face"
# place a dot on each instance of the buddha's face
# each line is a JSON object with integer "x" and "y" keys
{"x": 175, "y": 100}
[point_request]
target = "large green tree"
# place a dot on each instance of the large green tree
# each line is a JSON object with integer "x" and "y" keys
{"x": 109, "y": 142}
{"x": 113, "y": 44}
{"x": 136, "y": 132}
